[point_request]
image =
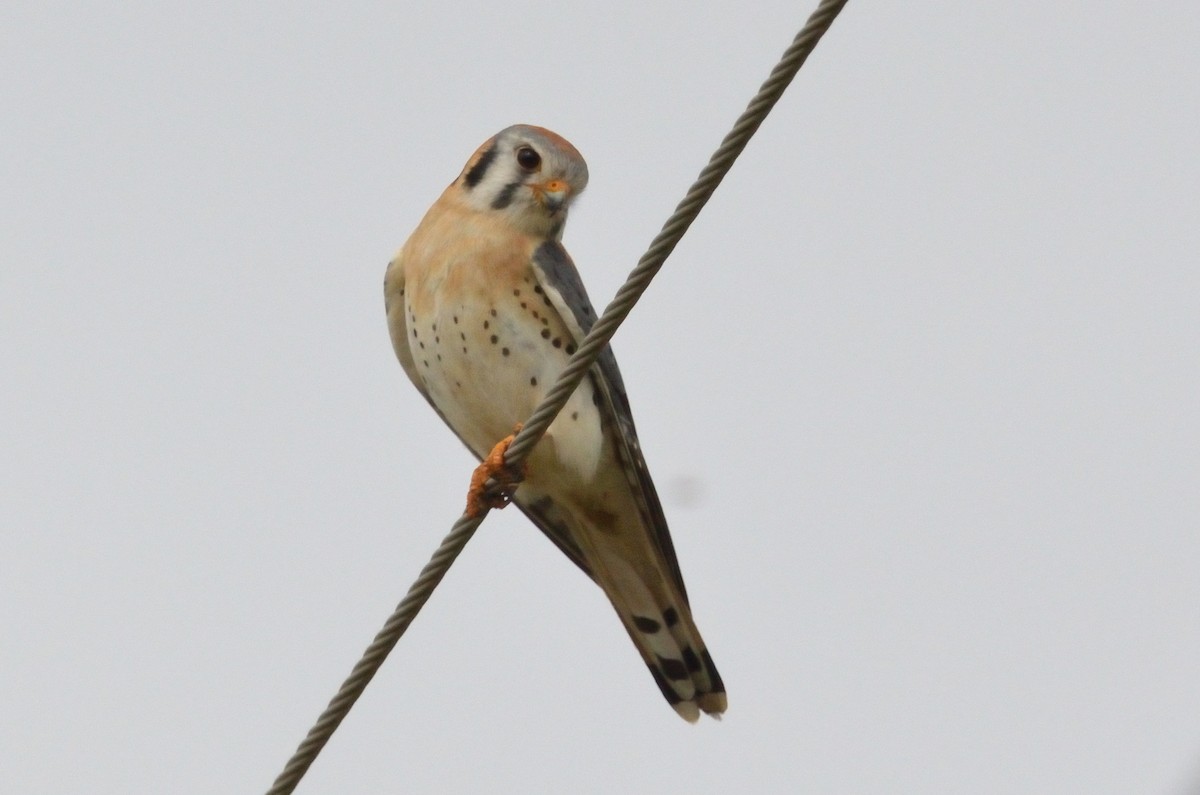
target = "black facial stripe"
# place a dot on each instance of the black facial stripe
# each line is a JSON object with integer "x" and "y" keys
{"x": 505, "y": 196}
{"x": 480, "y": 168}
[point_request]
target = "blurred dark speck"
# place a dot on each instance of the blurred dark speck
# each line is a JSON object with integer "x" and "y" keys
{"x": 684, "y": 491}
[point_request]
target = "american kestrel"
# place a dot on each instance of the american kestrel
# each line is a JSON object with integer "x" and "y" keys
{"x": 484, "y": 307}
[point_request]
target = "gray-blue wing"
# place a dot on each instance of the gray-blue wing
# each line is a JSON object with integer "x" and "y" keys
{"x": 560, "y": 280}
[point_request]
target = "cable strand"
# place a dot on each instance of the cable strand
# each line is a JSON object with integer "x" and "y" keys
{"x": 673, "y": 230}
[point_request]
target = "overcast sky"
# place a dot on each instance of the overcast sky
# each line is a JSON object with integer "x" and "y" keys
{"x": 920, "y": 390}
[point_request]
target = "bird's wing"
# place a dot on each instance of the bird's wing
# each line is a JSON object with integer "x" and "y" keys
{"x": 397, "y": 319}
{"x": 393, "y": 302}
{"x": 553, "y": 521}
{"x": 558, "y": 277}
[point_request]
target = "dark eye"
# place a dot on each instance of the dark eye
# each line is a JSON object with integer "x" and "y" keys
{"x": 528, "y": 159}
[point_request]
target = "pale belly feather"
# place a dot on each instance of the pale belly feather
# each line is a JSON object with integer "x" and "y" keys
{"x": 488, "y": 355}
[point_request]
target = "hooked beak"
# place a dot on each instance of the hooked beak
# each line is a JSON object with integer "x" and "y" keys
{"x": 553, "y": 194}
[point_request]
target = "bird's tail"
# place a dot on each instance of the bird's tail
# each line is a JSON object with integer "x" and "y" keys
{"x": 660, "y": 623}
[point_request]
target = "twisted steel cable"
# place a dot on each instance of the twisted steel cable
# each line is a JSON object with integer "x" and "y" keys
{"x": 577, "y": 367}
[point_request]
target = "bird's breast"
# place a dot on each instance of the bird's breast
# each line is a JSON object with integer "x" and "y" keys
{"x": 488, "y": 345}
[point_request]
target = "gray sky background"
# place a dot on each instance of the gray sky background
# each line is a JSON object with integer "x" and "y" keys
{"x": 920, "y": 390}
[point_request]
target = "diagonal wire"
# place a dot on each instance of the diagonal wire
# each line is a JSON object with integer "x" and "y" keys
{"x": 582, "y": 360}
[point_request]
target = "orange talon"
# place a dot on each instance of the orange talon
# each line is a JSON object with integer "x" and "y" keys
{"x": 506, "y": 478}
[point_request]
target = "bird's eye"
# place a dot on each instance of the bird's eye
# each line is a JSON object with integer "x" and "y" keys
{"x": 528, "y": 159}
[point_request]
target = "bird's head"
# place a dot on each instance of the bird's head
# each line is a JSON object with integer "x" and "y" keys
{"x": 529, "y": 174}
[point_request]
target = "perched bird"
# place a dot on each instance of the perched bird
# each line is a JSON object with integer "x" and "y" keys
{"x": 484, "y": 307}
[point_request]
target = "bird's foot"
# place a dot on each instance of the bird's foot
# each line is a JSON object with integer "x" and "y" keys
{"x": 505, "y": 479}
